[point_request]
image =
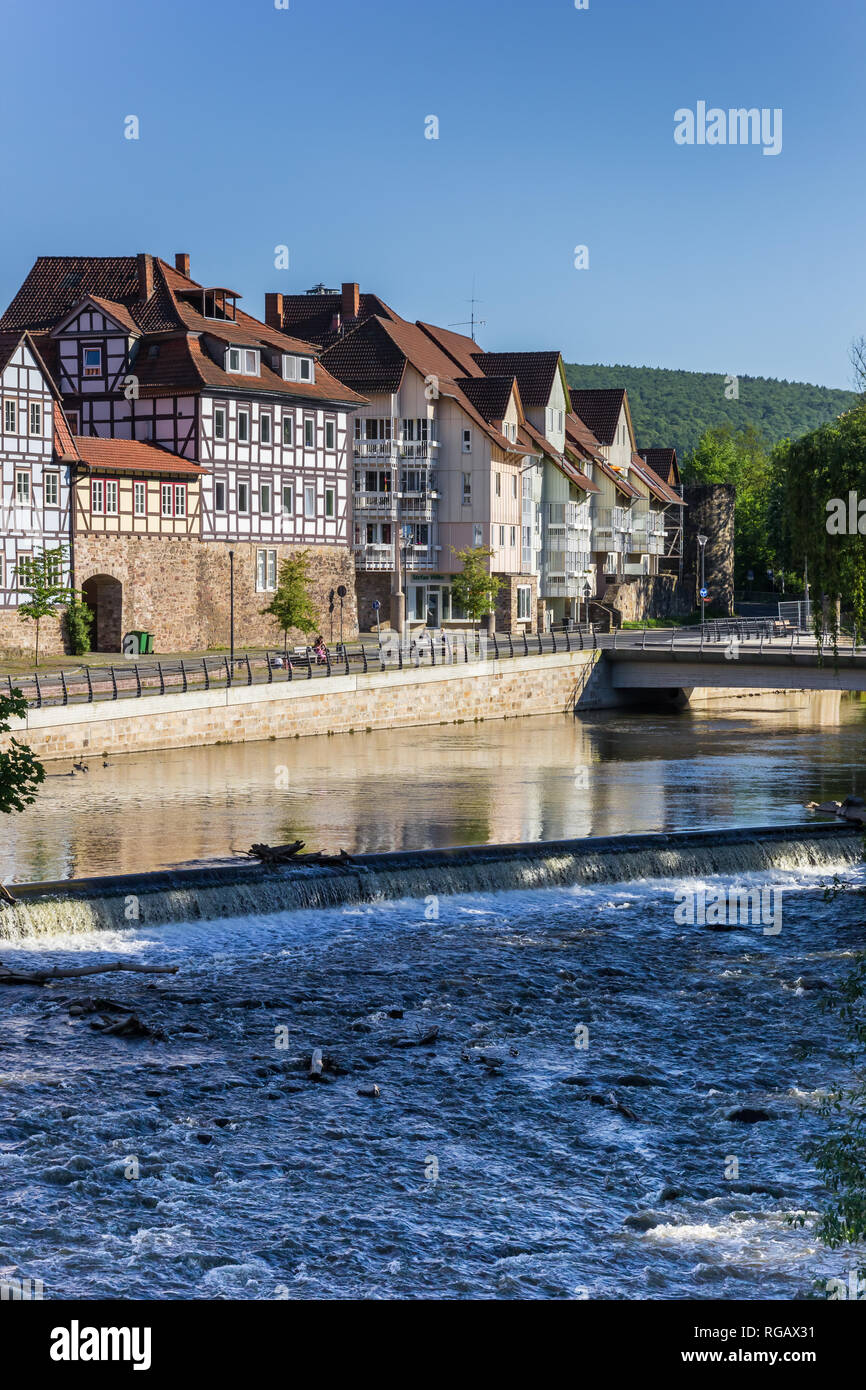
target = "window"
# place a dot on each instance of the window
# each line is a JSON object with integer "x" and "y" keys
{"x": 97, "y": 496}
{"x": 167, "y": 499}
{"x": 266, "y": 570}
{"x": 310, "y": 501}
{"x": 498, "y": 477}
{"x": 72, "y": 421}
{"x": 10, "y": 417}
{"x": 35, "y": 417}
{"x": 243, "y": 497}
{"x": 502, "y": 535}
{"x": 92, "y": 361}
{"x": 513, "y": 530}
{"x": 330, "y": 502}
{"x": 23, "y": 571}
{"x": 330, "y": 434}
{"x": 288, "y": 500}
{"x": 243, "y": 427}
{"x": 514, "y": 485}
{"x": 467, "y": 441}
{"x": 266, "y": 429}
{"x": 22, "y": 488}
{"x": 288, "y": 431}
{"x": 219, "y": 422}
{"x": 477, "y": 535}
{"x": 309, "y": 434}
{"x": 139, "y": 499}
{"x": 467, "y": 489}
{"x": 112, "y": 490}
{"x": 524, "y": 603}
{"x": 265, "y": 499}
{"x": 298, "y": 368}
{"x": 180, "y": 499}
{"x": 243, "y": 360}
{"x": 52, "y": 489}
{"x": 219, "y": 497}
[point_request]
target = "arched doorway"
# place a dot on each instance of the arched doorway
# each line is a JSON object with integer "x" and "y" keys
{"x": 104, "y": 595}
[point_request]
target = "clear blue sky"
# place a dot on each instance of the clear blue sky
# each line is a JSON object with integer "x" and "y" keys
{"x": 306, "y": 127}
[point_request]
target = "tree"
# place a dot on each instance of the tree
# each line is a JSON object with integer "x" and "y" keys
{"x": 79, "y": 621}
{"x": 741, "y": 457}
{"x": 291, "y": 605}
{"x": 474, "y": 588}
{"x": 826, "y": 490}
{"x": 41, "y": 576}
{"x": 20, "y": 772}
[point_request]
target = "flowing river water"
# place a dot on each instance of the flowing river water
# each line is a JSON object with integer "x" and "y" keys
{"x": 556, "y": 1068}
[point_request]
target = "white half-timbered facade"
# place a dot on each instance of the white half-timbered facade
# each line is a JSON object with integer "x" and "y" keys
{"x": 34, "y": 468}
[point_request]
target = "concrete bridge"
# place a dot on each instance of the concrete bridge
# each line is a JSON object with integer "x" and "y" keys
{"x": 678, "y": 660}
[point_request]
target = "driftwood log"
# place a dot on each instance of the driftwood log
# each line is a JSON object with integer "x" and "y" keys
{"x": 290, "y": 854}
{"x": 72, "y": 972}
{"x": 6, "y": 896}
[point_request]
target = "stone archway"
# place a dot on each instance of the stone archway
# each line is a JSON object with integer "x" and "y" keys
{"x": 104, "y": 595}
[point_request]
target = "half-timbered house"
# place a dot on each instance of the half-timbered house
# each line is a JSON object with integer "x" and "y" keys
{"x": 35, "y": 456}
{"x": 143, "y": 353}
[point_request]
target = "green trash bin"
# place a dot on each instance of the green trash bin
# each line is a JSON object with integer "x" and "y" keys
{"x": 142, "y": 643}
{"x": 147, "y": 647}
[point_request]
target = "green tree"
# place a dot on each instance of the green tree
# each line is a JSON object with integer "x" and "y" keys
{"x": 291, "y": 605}
{"x": 41, "y": 576}
{"x": 474, "y": 588}
{"x": 20, "y": 772}
{"x": 79, "y": 621}
{"x": 822, "y": 470}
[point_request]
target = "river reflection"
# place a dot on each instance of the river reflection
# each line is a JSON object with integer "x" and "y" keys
{"x": 504, "y": 780}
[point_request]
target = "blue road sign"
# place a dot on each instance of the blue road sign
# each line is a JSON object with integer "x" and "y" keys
{"x": 376, "y": 605}
{"x": 703, "y": 593}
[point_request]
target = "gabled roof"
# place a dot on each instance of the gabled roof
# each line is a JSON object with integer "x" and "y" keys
{"x": 460, "y": 348}
{"x": 564, "y": 464}
{"x": 57, "y": 285}
{"x": 8, "y": 344}
{"x": 64, "y": 444}
{"x": 131, "y": 456}
{"x": 600, "y": 410}
{"x": 535, "y": 372}
{"x": 664, "y": 463}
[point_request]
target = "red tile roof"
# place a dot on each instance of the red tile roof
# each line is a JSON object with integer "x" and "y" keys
{"x": 64, "y": 444}
{"x": 460, "y": 348}
{"x": 564, "y": 464}
{"x": 57, "y": 284}
{"x": 313, "y": 315}
{"x": 131, "y": 456}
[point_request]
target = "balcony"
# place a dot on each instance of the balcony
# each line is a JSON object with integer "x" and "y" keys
{"x": 375, "y": 448}
{"x": 374, "y": 557}
{"x": 382, "y": 503}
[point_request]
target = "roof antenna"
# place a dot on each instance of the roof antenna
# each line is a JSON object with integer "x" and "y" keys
{"x": 471, "y": 323}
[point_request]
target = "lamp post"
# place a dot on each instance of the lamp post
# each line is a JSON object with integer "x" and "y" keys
{"x": 702, "y": 542}
{"x": 232, "y": 607}
{"x": 407, "y": 532}
{"x": 341, "y": 594}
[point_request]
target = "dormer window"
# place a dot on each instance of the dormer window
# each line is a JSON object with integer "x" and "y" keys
{"x": 298, "y": 368}
{"x": 92, "y": 361}
{"x": 243, "y": 361}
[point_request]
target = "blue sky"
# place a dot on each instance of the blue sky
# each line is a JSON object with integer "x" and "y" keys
{"x": 305, "y": 127}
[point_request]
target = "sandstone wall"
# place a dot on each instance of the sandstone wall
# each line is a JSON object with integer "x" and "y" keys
{"x": 710, "y": 510}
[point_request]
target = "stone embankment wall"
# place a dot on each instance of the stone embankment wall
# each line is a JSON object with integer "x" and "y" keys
{"x": 341, "y": 704}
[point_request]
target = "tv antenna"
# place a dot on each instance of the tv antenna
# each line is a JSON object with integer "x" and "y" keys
{"x": 471, "y": 323}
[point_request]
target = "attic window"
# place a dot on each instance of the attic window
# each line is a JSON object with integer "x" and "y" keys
{"x": 298, "y": 368}
{"x": 243, "y": 361}
{"x": 72, "y": 277}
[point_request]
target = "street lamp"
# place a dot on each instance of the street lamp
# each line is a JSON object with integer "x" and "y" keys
{"x": 232, "y": 607}
{"x": 702, "y": 542}
{"x": 341, "y": 594}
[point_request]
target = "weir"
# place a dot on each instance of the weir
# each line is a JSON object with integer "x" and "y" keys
{"x": 245, "y": 889}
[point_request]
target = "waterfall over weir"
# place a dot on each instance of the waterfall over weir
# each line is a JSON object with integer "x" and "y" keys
{"x": 245, "y": 889}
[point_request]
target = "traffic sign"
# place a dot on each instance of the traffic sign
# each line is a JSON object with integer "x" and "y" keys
{"x": 376, "y": 605}
{"x": 703, "y": 593}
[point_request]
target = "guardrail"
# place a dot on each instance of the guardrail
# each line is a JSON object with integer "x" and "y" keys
{"x": 136, "y": 679}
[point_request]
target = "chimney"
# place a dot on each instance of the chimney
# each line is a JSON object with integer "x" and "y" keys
{"x": 351, "y": 301}
{"x": 274, "y": 311}
{"x": 181, "y": 262}
{"x": 145, "y": 275}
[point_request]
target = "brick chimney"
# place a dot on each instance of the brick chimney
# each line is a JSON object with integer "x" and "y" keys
{"x": 181, "y": 262}
{"x": 145, "y": 275}
{"x": 351, "y": 301}
{"x": 274, "y": 311}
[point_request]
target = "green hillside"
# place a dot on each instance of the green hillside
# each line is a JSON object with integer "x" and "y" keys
{"x": 675, "y": 407}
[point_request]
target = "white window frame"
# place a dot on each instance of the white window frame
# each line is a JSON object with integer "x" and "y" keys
{"x": 244, "y": 415}
{"x": 467, "y": 441}
{"x": 220, "y": 483}
{"x": 51, "y": 482}
{"x": 524, "y": 601}
{"x": 467, "y": 490}
{"x": 288, "y": 431}
{"x": 266, "y": 427}
{"x": 330, "y": 435}
{"x": 266, "y": 499}
{"x": 477, "y": 535}
{"x": 220, "y": 415}
{"x": 10, "y": 416}
{"x": 139, "y": 498}
{"x": 34, "y": 419}
{"x": 91, "y": 372}
{"x": 309, "y": 507}
{"x": 23, "y": 495}
{"x": 243, "y": 490}
{"x": 290, "y": 489}
{"x": 112, "y": 497}
{"x": 309, "y": 429}
{"x": 330, "y": 503}
{"x": 266, "y": 571}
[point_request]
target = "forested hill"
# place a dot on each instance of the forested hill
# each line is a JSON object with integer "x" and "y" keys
{"x": 675, "y": 407}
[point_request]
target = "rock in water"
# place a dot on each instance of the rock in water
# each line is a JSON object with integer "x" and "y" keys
{"x": 370, "y": 1092}
{"x": 746, "y": 1115}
